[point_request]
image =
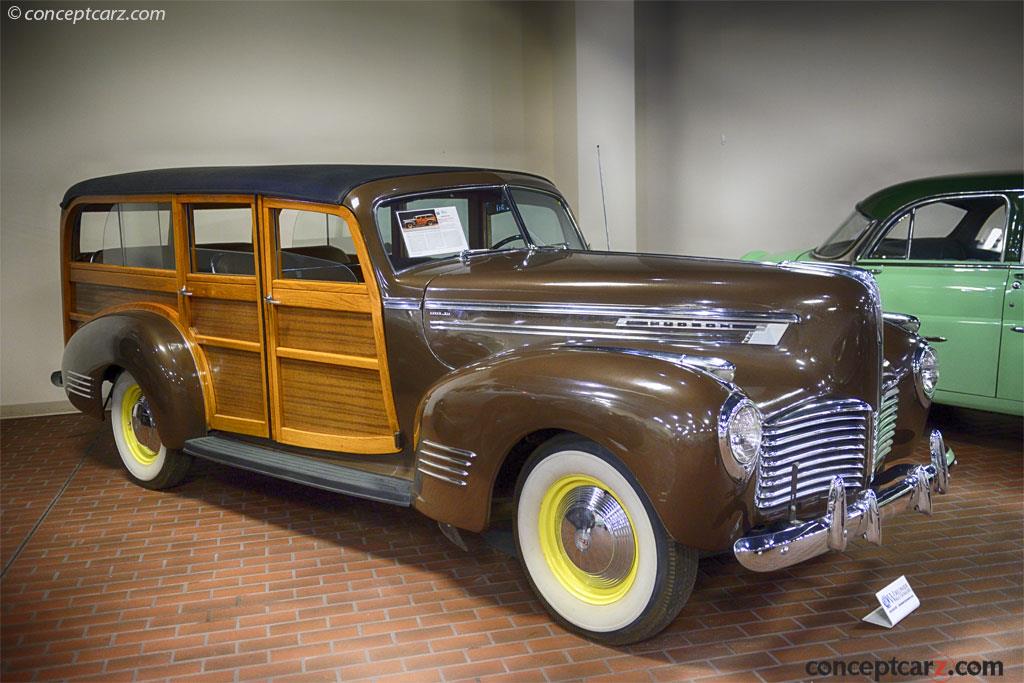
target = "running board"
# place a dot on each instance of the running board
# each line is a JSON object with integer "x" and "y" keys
{"x": 321, "y": 475}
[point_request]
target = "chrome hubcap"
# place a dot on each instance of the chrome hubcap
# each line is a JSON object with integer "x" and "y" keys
{"x": 596, "y": 534}
{"x": 144, "y": 425}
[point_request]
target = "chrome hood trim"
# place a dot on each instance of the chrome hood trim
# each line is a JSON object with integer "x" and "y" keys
{"x": 583, "y": 322}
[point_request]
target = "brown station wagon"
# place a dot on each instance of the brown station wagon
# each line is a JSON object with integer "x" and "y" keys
{"x": 444, "y": 339}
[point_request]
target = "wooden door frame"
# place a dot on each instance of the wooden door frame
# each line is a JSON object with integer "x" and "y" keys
{"x": 354, "y": 297}
{"x": 218, "y": 286}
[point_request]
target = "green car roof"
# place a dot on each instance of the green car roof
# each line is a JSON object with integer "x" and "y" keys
{"x": 885, "y": 201}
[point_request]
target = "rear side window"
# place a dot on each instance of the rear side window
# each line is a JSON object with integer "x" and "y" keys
{"x": 222, "y": 239}
{"x": 126, "y": 234}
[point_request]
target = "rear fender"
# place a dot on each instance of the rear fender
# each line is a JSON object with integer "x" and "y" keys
{"x": 154, "y": 349}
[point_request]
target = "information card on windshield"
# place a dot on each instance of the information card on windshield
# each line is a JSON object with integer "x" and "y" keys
{"x": 431, "y": 232}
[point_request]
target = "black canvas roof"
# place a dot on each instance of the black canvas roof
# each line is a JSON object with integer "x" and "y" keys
{"x": 324, "y": 183}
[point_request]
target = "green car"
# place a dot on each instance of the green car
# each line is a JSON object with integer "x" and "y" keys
{"x": 947, "y": 251}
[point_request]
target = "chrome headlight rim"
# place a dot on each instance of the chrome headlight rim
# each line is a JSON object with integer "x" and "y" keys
{"x": 924, "y": 356}
{"x": 738, "y": 468}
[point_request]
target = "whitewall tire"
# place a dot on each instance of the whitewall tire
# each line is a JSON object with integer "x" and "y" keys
{"x": 148, "y": 462}
{"x": 592, "y": 546}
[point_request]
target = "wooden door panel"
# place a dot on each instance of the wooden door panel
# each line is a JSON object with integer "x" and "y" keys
{"x": 333, "y": 400}
{"x": 89, "y": 299}
{"x": 329, "y": 387}
{"x": 238, "y": 382}
{"x": 226, "y": 317}
{"x": 352, "y": 298}
{"x": 341, "y": 332}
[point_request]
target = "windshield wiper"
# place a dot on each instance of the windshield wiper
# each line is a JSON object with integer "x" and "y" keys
{"x": 467, "y": 254}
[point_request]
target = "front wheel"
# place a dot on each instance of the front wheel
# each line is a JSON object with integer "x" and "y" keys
{"x": 148, "y": 461}
{"x": 593, "y": 548}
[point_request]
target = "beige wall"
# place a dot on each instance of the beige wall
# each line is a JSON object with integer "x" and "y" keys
{"x": 755, "y": 125}
{"x": 606, "y": 109}
{"x": 434, "y": 83}
{"x": 761, "y": 124}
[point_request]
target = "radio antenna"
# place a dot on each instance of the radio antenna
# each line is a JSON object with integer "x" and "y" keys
{"x": 604, "y": 206}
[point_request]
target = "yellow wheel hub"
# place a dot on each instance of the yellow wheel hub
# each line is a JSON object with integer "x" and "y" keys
{"x": 587, "y": 538}
{"x": 137, "y": 421}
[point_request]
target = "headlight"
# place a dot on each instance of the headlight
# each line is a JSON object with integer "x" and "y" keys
{"x": 739, "y": 435}
{"x": 926, "y": 371}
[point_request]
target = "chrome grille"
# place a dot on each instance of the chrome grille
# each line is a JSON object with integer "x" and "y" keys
{"x": 820, "y": 439}
{"x": 885, "y": 421}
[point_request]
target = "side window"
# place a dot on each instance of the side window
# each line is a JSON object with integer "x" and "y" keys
{"x": 992, "y": 236}
{"x": 893, "y": 244}
{"x": 315, "y": 246}
{"x": 126, "y": 234}
{"x": 959, "y": 229}
{"x": 222, "y": 239}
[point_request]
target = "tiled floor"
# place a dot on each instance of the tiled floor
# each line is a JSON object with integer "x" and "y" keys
{"x": 234, "y": 576}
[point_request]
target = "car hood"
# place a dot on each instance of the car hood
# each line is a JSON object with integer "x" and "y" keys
{"x": 785, "y": 329}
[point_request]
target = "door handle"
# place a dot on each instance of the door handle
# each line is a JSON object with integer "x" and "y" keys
{"x": 1018, "y": 328}
{"x": 1018, "y": 276}
{"x": 935, "y": 340}
{"x": 271, "y": 300}
{"x": 185, "y": 291}
{"x": 875, "y": 271}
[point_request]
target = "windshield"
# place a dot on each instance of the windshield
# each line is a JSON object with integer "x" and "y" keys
{"x": 439, "y": 225}
{"x": 847, "y": 233}
{"x": 546, "y": 219}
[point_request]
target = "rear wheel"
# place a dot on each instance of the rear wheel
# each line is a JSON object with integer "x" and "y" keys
{"x": 593, "y": 547}
{"x": 148, "y": 461}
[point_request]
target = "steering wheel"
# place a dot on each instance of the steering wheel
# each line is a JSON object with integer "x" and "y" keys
{"x": 507, "y": 240}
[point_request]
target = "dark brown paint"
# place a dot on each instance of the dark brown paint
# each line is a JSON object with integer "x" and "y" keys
{"x": 487, "y": 393}
{"x": 152, "y": 349}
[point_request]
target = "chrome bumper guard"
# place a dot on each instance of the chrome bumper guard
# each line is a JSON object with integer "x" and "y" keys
{"x": 765, "y": 552}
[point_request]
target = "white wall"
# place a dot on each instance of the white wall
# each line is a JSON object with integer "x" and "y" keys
{"x": 606, "y": 116}
{"x": 229, "y": 83}
{"x": 761, "y": 124}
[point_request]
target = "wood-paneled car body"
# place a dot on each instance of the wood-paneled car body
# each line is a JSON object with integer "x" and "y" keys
{"x": 444, "y": 339}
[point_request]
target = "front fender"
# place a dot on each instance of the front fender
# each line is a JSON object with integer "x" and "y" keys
{"x": 912, "y": 413}
{"x": 155, "y": 352}
{"x": 658, "y": 418}
{"x": 776, "y": 257}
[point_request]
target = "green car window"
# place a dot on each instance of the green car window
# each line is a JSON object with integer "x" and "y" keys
{"x": 845, "y": 235}
{"x": 955, "y": 229}
{"x": 894, "y": 243}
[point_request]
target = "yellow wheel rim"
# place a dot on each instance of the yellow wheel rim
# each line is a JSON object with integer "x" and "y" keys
{"x": 588, "y": 539}
{"x": 142, "y": 453}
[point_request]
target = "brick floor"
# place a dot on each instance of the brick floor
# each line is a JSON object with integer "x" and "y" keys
{"x": 233, "y": 576}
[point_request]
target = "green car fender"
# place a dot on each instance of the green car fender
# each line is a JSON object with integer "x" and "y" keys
{"x": 779, "y": 256}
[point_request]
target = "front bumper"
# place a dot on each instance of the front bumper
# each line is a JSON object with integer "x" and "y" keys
{"x": 768, "y": 551}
